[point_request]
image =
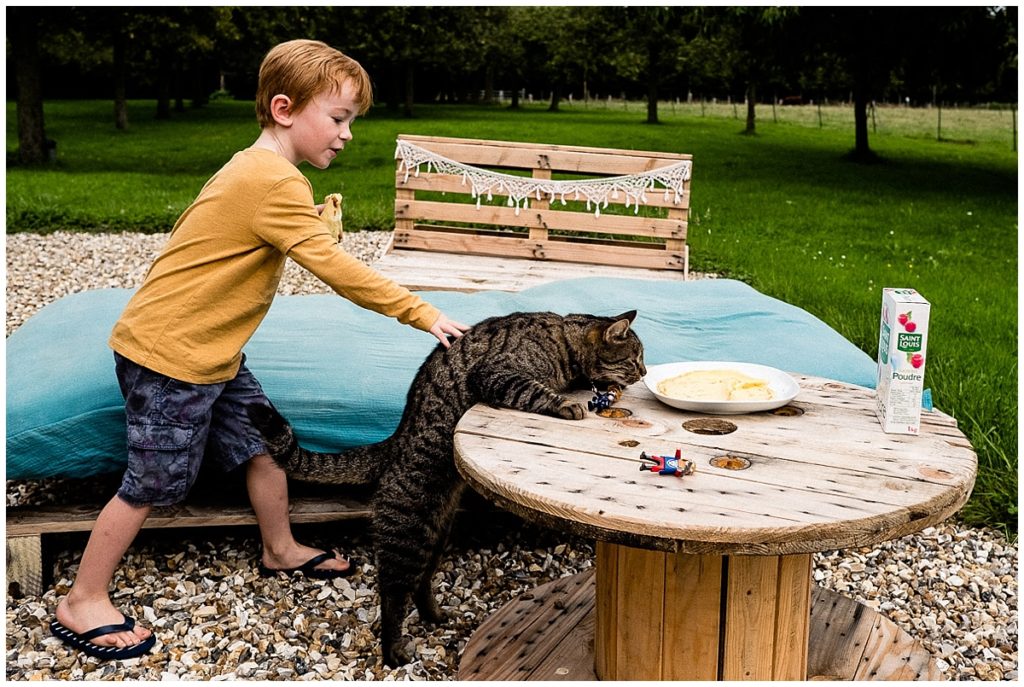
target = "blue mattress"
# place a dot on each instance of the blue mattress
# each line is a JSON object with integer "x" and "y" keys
{"x": 340, "y": 373}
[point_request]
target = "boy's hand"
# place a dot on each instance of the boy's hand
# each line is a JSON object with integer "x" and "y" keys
{"x": 444, "y": 328}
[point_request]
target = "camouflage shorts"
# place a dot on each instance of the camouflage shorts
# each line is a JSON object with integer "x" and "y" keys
{"x": 173, "y": 425}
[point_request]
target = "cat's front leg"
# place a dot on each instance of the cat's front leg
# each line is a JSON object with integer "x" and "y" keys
{"x": 505, "y": 388}
{"x": 393, "y": 604}
{"x": 423, "y": 597}
{"x": 427, "y": 606}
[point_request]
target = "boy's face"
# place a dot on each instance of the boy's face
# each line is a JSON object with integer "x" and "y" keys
{"x": 322, "y": 128}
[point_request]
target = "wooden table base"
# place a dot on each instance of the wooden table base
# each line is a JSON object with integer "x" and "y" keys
{"x": 670, "y": 616}
{"x": 551, "y": 633}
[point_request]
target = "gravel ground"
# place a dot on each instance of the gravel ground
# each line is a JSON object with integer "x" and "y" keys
{"x": 952, "y": 586}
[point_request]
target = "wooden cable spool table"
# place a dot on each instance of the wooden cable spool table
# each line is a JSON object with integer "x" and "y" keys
{"x": 708, "y": 576}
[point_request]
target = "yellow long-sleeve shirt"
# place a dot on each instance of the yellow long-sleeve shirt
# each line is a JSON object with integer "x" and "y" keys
{"x": 211, "y": 286}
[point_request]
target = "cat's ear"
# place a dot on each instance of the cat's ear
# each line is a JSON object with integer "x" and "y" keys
{"x": 616, "y": 332}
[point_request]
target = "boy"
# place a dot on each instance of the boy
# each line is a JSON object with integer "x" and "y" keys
{"x": 178, "y": 343}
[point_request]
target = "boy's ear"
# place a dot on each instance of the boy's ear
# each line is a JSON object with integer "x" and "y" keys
{"x": 281, "y": 109}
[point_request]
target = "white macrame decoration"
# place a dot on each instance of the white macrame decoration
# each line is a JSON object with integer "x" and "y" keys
{"x": 596, "y": 192}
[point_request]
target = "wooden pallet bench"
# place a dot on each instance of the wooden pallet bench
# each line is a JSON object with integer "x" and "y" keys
{"x": 441, "y": 241}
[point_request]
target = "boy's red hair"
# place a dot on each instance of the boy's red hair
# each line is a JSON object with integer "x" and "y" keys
{"x": 302, "y": 69}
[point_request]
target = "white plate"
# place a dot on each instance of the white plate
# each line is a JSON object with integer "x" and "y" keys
{"x": 784, "y": 387}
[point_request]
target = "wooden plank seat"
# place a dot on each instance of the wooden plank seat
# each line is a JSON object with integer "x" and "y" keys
{"x": 215, "y": 501}
{"x": 442, "y": 242}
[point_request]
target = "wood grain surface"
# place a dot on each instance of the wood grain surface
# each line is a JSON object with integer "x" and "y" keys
{"x": 436, "y": 212}
{"x": 849, "y": 641}
{"x": 423, "y": 270}
{"x": 824, "y": 478}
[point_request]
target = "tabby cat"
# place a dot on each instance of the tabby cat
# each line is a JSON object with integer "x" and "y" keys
{"x": 519, "y": 361}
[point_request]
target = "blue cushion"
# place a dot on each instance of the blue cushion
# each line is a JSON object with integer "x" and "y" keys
{"x": 341, "y": 373}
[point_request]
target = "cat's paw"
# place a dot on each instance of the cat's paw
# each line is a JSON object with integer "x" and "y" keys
{"x": 572, "y": 411}
{"x": 432, "y": 615}
{"x": 395, "y": 656}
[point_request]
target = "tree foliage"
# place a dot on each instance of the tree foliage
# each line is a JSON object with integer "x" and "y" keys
{"x": 651, "y": 47}
{"x": 464, "y": 53}
{"x": 751, "y": 48}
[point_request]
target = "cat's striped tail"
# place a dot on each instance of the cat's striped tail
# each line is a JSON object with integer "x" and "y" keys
{"x": 360, "y": 465}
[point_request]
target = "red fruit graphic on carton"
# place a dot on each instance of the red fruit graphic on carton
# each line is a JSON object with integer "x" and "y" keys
{"x": 904, "y": 318}
{"x": 901, "y": 360}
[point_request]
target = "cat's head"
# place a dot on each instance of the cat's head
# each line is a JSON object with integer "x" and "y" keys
{"x": 613, "y": 354}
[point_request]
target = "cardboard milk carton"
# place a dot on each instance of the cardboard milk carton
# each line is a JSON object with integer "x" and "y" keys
{"x": 902, "y": 346}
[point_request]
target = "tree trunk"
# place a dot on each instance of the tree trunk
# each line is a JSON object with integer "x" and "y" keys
{"x": 556, "y": 97}
{"x": 861, "y": 150}
{"x": 751, "y": 107}
{"x": 120, "y": 81}
{"x": 178, "y": 83}
{"x": 163, "y": 87}
{"x": 652, "y": 101}
{"x": 198, "y": 84}
{"x": 653, "y": 63}
{"x": 394, "y": 88}
{"x": 23, "y": 34}
{"x": 410, "y": 73}
{"x": 489, "y": 83}
{"x": 514, "y": 104}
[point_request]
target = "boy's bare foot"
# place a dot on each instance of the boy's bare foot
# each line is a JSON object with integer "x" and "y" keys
{"x": 82, "y": 615}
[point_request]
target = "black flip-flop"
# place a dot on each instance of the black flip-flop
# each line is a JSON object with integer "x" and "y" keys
{"x": 309, "y": 568}
{"x": 116, "y": 653}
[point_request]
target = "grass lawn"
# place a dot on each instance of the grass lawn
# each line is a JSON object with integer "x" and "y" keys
{"x": 782, "y": 210}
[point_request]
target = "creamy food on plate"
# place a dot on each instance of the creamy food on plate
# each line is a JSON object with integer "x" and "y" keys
{"x": 715, "y": 385}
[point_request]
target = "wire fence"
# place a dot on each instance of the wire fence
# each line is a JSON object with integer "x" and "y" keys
{"x": 995, "y": 123}
{"x": 988, "y": 124}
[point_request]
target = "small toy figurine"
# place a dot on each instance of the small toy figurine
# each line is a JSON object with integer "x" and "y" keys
{"x": 603, "y": 399}
{"x": 664, "y": 465}
{"x": 332, "y": 215}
